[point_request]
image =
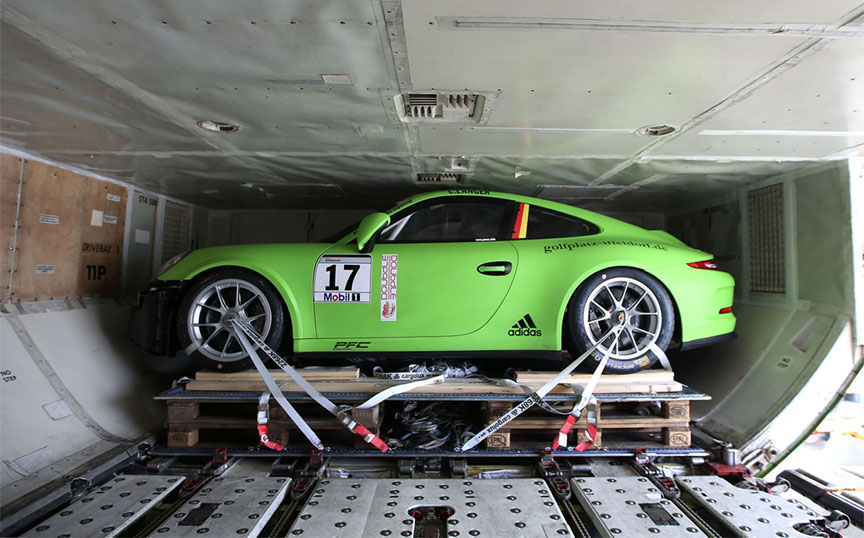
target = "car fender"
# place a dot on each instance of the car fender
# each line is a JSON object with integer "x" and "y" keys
{"x": 288, "y": 268}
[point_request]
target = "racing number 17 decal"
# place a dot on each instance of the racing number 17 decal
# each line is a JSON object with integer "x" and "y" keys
{"x": 343, "y": 279}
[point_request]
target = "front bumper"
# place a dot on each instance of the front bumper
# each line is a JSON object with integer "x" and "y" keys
{"x": 151, "y": 325}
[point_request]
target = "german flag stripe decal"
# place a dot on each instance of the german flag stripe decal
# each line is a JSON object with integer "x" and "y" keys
{"x": 521, "y": 226}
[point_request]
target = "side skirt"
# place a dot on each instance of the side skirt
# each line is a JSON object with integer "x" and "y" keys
{"x": 519, "y": 354}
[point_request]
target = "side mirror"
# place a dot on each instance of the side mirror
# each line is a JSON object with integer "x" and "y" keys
{"x": 368, "y": 230}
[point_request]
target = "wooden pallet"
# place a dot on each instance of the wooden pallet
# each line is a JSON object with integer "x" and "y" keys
{"x": 233, "y": 424}
{"x": 219, "y": 410}
{"x": 672, "y": 424}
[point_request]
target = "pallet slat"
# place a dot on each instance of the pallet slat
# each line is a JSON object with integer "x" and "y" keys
{"x": 310, "y": 374}
{"x": 609, "y": 384}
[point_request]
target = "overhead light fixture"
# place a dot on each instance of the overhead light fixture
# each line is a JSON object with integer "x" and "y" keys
{"x": 337, "y": 78}
{"x": 656, "y": 130}
{"x": 219, "y": 126}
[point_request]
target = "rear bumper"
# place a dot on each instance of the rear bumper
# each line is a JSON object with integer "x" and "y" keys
{"x": 152, "y": 320}
{"x": 700, "y": 296}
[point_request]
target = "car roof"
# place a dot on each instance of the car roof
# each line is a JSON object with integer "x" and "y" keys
{"x": 596, "y": 218}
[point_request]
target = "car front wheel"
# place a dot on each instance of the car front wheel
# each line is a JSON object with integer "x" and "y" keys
{"x": 204, "y": 320}
{"x": 628, "y": 301}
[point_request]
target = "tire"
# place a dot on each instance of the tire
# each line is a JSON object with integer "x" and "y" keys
{"x": 620, "y": 297}
{"x": 206, "y": 334}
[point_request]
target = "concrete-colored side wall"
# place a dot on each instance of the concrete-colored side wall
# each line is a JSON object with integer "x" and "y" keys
{"x": 785, "y": 340}
{"x": 71, "y": 379}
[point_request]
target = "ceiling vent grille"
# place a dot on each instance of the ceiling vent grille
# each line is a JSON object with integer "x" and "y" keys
{"x": 438, "y": 177}
{"x": 439, "y": 107}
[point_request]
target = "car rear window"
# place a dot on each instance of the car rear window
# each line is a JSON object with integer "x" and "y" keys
{"x": 547, "y": 224}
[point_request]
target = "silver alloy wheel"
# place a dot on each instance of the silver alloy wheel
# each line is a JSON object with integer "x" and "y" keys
{"x": 209, "y": 320}
{"x": 624, "y": 303}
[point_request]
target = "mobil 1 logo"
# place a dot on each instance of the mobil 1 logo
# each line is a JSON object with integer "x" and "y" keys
{"x": 343, "y": 279}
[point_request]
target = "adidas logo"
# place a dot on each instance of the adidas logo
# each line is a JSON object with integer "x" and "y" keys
{"x": 525, "y": 327}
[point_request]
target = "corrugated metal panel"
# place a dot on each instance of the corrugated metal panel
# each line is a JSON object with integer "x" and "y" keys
{"x": 175, "y": 230}
{"x": 767, "y": 249}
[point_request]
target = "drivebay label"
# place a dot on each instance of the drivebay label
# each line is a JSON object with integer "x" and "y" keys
{"x": 389, "y": 271}
{"x": 343, "y": 279}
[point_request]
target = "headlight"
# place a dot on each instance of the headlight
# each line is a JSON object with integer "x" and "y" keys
{"x": 171, "y": 263}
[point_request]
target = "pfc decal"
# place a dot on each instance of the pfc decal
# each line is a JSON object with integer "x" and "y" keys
{"x": 525, "y": 327}
{"x": 345, "y": 346}
{"x": 389, "y": 270}
{"x": 343, "y": 279}
{"x": 570, "y": 246}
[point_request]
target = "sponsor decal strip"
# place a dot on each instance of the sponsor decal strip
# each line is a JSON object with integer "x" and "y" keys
{"x": 521, "y": 226}
{"x": 611, "y": 242}
{"x": 389, "y": 273}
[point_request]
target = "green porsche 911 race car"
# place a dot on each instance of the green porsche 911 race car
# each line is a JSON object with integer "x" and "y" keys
{"x": 458, "y": 273}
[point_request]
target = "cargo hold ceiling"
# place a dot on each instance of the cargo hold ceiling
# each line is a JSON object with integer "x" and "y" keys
{"x": 345, "y": 103}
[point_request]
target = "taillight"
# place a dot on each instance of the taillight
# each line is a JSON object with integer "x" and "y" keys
{"x": 727, "y": 310}
{"x": 707, "y": 264}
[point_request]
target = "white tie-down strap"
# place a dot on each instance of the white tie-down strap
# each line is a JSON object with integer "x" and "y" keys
{"x": 243, "y": 328}
{"x": 664, "y": 360}
{"x": 398, "y": 389}
{"x": 537, "y": 396}
{"x": 245, "y": 333}
{"x": 277, "y": 394}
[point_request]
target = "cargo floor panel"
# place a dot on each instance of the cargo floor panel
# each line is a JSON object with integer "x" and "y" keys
{"x": 631, "y": 506}
{"x": 372, "y": 508}
{"x": 747, "y": 512}
{"x": 109, "y": 509}
{"x": 228, "y": 506}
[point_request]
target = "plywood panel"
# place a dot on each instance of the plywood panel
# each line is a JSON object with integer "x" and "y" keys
{"x": 101, "y": 247}
{"x": 49, "y": 246}
{"x": 70, "y": 243}
{"x": 10, "y": 170}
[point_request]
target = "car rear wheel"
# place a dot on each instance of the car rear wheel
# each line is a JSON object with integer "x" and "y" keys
{"x": 204, "y": 324}
{"x": 628, "y": 301}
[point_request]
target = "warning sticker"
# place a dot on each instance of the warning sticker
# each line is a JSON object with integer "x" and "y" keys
{"x": 389, "y": 271}
{"x": 44, "y": 269}
{"x": 49, "y": 219}
{"x": 343, "y": 279}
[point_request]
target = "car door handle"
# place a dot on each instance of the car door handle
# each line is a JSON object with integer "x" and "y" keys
{"x": 495, "y": 268}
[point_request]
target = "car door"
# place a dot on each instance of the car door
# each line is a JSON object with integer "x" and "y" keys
{"x": 440, "y": 269}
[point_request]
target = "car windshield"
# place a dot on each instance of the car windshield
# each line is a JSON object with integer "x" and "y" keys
{"x": 332, "y": 238}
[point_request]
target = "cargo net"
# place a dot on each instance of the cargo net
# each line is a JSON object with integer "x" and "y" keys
{"x": 432, "y": 425}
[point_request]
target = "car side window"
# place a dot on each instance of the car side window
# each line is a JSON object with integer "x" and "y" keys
{"x": 547, "y": 224}
{"x": 450, "y": 220}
